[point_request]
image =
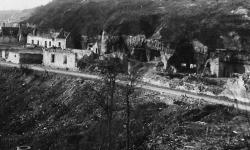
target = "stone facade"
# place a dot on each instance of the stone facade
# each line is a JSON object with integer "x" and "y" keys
{"x": 63, "y": 59}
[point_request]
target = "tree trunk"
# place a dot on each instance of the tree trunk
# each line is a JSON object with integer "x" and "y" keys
{"x": 128, "y": 119}
{"x": 109, "y": 132}
{"x": 110, "y": 111}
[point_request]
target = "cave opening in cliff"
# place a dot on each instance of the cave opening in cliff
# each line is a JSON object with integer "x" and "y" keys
{"x": 184, "y": 57}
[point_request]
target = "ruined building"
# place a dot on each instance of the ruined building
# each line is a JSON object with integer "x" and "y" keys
{"x": 189, "y": 56}
{"x": 63, "y": 58}
{"x": 20, "y": 55}
{"x": 224, "y": 63}
{"x": 136, "y": 47}
{"x": 91, "y": 43}
{"x": 59, "y": 39}
{"x": 233, "y": 57}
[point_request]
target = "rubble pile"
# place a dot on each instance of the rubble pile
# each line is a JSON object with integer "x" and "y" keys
{"x": 199, "y": 127}
{"x": 238, "y": 88}
{"x": 192, "y": 82}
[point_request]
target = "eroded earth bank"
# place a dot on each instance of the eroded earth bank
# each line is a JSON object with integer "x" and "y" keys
{"x": 49, "y": 111}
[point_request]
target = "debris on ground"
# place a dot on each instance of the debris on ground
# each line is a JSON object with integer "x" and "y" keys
{"x": 58, "y": 112}
{"x": 190, "y": 82}
{"x": 238, "y": 88}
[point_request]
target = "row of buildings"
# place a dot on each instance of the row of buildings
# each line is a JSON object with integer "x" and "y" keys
{"x": 52, "y": 49}
{"x": 55, "y": 49}
{"x": 49, "y": 57}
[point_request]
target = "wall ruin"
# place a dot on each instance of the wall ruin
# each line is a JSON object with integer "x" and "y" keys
{"x": 63, "y": 59}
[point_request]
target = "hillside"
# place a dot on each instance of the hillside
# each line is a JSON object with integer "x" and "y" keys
{"x": 15, "y": 15}
{"x": 169, "y": 20}
{"x": 49, "y": 111}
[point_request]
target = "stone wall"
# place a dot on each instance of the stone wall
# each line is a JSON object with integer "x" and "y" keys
{"x": 215, "y": 66}
{"x": 3, "y": 54}
{"x": 13, "y": 57}
{"x": 63, "y": 59}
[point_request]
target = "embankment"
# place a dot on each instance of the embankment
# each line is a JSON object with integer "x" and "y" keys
{"x": 52, "y": 111}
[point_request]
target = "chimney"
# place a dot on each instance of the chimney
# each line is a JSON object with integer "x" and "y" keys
{"x": 35, "y": 32}
{"x": 104, "y": 42}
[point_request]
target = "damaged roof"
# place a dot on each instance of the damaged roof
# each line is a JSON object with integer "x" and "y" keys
{"x": 53, "y": 35}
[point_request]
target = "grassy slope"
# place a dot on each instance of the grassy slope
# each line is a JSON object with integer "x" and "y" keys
{"x": 56, "y": 112}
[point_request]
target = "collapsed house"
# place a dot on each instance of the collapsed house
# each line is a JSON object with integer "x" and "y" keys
{"x": 91, "y": 43}
{"x": 224, "y": 63}
{"x": 136, "y": 47}
{"x": 63, "y": 58}
{"x": 59, "y": 39}
{"x": 231, "y": 57}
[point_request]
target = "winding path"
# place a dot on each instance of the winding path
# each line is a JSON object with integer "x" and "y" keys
{"x": 162, "y": 90}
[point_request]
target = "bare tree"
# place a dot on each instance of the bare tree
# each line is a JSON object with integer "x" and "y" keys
{"x": 110, "y": 69}
{"x": 132, "y": 78}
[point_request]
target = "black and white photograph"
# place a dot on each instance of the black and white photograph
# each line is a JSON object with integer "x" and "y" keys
{"x": 124, "y": 74}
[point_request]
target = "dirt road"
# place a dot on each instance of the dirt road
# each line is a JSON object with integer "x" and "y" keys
{"x": 162, "y": 90}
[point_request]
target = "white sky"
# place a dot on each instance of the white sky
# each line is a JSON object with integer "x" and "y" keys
{"x": 21, "y": 4}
